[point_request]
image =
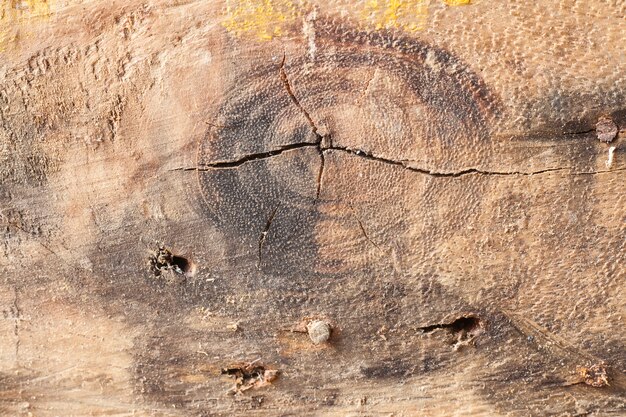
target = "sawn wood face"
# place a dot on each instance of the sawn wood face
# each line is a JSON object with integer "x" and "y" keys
{"x": 186, "y": 186}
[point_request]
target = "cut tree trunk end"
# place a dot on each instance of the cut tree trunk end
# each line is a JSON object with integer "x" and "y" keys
{"x": 314, "y": 208}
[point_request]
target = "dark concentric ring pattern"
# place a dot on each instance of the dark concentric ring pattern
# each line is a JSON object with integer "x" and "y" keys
{"x": 268, "y": 204}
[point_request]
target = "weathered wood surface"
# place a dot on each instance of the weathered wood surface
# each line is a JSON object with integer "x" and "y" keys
{"x": 424, "y": 178}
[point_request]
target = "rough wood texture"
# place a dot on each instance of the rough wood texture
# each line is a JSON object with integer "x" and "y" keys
{"x": 194, "y": 194}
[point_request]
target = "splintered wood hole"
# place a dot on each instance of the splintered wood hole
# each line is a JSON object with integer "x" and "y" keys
{"x": 465, "y": 324}
{"x": 250, "y": 376}
{"x": 463, "y": 330}
{"x": 181, "y": 264}
{"x": 164, "y": 260}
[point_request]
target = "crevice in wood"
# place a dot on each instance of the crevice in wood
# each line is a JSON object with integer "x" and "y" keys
{"x": 17, "y": 313}
{"x": 604, "y": 171}
{"x": 464, "y": 323}
{"x": 465, "y": 329}
{"x": 363, "y": 229}
{"x": 454, "y": 174}
{"x": 263, "y": 236}
{"x": 320, "y": 174}
{"x": 287, "y": 84}
{"x": 319, "y": 145}
{"x": 248, "y": 158}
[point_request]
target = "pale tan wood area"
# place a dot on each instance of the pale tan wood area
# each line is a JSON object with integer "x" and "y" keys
{"x": 392, "y": 208}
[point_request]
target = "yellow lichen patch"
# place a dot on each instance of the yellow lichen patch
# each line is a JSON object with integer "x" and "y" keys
{"x": 33, "y": 8}
{"x": 269, "y": 19}
{"x": 410, "y": 15}
{"x": 456, "y": 2}
{"x": 16, "y": 16}
{"x": 265, "y": 19}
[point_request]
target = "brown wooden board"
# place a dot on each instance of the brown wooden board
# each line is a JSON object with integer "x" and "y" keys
{"x": 274, "y": 207}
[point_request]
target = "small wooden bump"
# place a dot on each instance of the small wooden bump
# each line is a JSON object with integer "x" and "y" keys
{"x": 606, "y": 129}
{"x": 319, "y": 331}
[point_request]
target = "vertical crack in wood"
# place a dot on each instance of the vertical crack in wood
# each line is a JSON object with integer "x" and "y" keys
{"x": 320, "y": 174}
{"x": 263, "y": 236}
{"x": 287, "y": 84}
{"x": 17, "y": 316}
{"x": 363, "y": 229}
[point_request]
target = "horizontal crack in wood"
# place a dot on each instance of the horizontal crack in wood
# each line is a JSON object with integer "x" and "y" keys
{"x": 248, "y": 158}
{"x": 369, "y": 156}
